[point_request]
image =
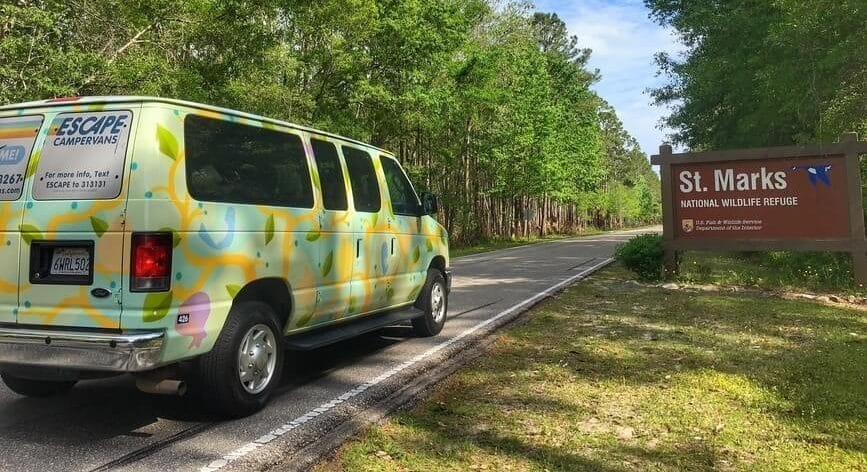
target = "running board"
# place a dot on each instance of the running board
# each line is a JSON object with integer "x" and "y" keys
{"x": 350, "y": 329}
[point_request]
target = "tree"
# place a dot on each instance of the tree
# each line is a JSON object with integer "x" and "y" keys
{"x": 764, "y": 73}
{"x": 488, "y": 105}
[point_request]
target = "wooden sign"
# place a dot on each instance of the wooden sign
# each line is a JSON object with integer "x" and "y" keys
{"x": 800, "y": 198}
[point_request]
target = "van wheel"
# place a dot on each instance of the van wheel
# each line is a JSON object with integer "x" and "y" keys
{"x": 239, "y": 375}
{"x": 37, "y": 388}
{"x": 434, "y": 300}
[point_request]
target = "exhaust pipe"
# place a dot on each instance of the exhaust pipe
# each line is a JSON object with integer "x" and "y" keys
{"x": 161, "y": 387}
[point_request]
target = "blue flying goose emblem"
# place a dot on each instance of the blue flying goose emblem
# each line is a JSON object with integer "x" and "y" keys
{"x": 816, "y": 173}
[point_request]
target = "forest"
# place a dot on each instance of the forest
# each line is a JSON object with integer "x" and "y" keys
{"x": 487, "y": 104}
{"x": 764, "y": 73}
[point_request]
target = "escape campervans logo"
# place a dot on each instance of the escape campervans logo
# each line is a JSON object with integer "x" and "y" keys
{"x": 83, "y": 156}
{"x": 90, "y": 131}
{"x": 11, "y": 155}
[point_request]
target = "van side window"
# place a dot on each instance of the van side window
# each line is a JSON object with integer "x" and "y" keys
{"x": 362, "y": 178}
{"x": 330, "y": 175}
{"x": 235, "y": 163}
{"x": 403, "y": 198}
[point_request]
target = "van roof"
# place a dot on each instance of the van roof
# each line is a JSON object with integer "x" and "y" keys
{"x": 145, "y": 99}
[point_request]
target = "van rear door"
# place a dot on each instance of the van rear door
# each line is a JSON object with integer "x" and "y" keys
{"x": 17, "y": 138}
{"x": 72, "y": 249}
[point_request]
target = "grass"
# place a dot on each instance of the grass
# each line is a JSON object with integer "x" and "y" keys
{"x": 497, "y": 244}
{"x": 612, "y": 375}
{"x": 776, "y": 270}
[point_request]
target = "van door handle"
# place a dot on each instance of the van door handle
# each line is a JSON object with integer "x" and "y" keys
{"x": 392, "y": 246}
{"x": 357, "y": 248}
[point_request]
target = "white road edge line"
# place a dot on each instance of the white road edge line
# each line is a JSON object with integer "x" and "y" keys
{"x": 248, "y": 448}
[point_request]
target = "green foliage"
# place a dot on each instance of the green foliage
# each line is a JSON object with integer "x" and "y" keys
{"x": 487, "y": 104}
{"x": 632, "y": 191}
{"x": 822, "y": 269}
{"x": 764, "y": 73}
{"x": 775, "y": 270}
{"x": 643, "y": 255}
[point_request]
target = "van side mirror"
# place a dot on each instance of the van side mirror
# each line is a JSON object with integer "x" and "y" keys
{"x": 429, "y": 203}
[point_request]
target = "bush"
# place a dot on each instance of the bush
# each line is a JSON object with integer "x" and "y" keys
{"x": 643, "y": 255}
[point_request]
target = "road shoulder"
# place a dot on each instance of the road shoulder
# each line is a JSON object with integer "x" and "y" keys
{"x": 616, "y": 375}
{"x": 440, "y": 361}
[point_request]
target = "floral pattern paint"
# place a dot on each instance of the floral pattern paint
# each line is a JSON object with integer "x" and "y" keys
{"x": 338, "y": 264}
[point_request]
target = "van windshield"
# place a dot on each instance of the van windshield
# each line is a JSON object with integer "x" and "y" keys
{"x": 17, "y": 136}
{"x": 83, "y": 156}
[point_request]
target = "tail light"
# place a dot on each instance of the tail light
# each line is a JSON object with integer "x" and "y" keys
{"x": 151, "y": 262}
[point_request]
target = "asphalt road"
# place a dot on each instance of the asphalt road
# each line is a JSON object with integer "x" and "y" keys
{"x": 109, "y": 425}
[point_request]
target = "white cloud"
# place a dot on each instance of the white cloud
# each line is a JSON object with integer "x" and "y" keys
{"x": 624, "y": 41}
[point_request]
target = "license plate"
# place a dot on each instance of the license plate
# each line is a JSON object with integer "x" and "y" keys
{"x": 70, "y": 261}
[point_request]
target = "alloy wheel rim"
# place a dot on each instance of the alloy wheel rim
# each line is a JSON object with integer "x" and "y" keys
{"x": 257, "y": 359}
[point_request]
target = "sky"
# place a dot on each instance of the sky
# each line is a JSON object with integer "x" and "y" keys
{"x": 624, "y": 41}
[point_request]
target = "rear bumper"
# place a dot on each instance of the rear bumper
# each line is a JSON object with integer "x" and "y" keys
{"x": 81, "y": 350}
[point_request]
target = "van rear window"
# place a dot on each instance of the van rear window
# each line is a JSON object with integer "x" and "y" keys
{"x": 83, "y": 156}
{"x": 17, "y": 136}
{"x": 235, "y": 163}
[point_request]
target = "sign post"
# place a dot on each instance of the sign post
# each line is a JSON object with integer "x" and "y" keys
{"x": 797, "y": 198}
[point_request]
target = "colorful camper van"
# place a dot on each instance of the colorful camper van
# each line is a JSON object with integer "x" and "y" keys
{"x": 193, "y": 245}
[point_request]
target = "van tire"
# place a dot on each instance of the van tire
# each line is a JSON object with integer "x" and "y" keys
{"x": 434, "y": 301}
{"x": 37, "y": 388}
{"x": 219, "y": 371}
